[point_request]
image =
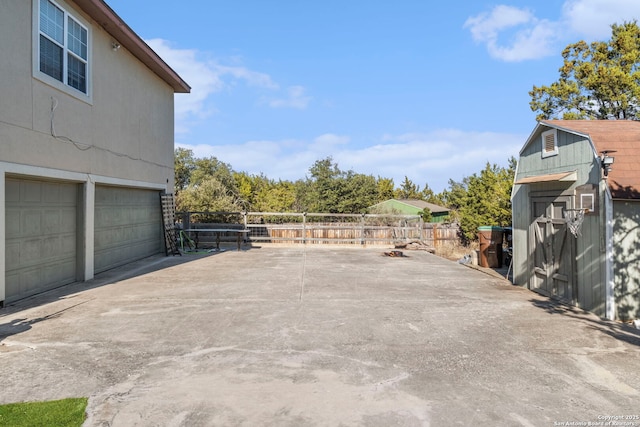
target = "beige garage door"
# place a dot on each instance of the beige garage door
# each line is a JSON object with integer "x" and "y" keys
{"x": 40, "y": 236}
{"x": 128, "y": 226}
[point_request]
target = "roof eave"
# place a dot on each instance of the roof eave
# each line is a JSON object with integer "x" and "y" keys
{"x": 123, "y": 34}
{"x": 550, "y": 124}
{"x": 575, "y": 132}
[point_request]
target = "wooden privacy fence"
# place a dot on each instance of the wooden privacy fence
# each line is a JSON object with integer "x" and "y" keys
{"x": 320, "y": 228}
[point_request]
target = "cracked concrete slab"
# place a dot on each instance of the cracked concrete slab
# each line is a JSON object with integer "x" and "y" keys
{"x": 315, "y": 336}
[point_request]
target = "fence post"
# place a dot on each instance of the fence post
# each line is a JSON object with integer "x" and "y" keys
{"x": 362, "y": 230}
{"x": 186, "y": 220}
{"x": 304, "y": 228}
{"x": 421, "y": 229}
{"x": 435, "y": 235}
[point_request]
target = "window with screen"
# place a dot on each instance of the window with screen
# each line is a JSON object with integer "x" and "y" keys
{"x": 63, "y": 46}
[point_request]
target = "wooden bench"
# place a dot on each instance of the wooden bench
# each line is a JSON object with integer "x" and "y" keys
{"x": 218, "y": 231}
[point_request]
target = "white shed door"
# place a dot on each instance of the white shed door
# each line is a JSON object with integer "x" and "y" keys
{"x": 128, "y": 226}
{"x": 40, "y": 236}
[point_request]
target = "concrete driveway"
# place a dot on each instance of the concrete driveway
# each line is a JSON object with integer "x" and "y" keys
{"x": 317, "y": 336}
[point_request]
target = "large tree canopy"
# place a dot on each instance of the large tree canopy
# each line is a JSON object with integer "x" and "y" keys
{"x": 600, "y": 80}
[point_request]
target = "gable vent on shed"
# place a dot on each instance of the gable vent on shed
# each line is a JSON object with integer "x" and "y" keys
{"x": 549, "y": 143}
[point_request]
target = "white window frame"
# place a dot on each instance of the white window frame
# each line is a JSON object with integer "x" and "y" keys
{"x": 45, "y": 78}
{"x": 545, "y": 152}
{"x": 588, "y": 202}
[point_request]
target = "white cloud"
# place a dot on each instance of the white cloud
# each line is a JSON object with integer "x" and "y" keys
{"x": 203, "y": 79}
{"x": 486, "y": 26}
{"x": 252, "y": 78}
{"x": 296, "y": 98}
{"x": 434, "y": 157}
{"x": 207, "y": 77}
{"x": 431, "y": 158}
{"x": 330, "y": 140}
{"x": 530, "y": 38}
{"x": 593, "y": 18}
{"x": 514, "y": 34}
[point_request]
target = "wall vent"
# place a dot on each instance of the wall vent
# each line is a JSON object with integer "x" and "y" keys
{"x": 549, "y": 143}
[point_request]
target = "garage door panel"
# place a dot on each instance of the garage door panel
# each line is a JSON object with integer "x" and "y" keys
{"x": 41, "y": 242}
{"x": 12, "y": 284}
{"x": 12, "y": 191}
{"x": 51, "y": 221}
{"x": 12, "y": 254}
{"x": 68, "y": 220}
{"x": 30, "y": 252}
{"x": 128, "y": 226}
{"x": 68, "y": 245}
{"x": 30, "y": 224}
{"x": 31, "y": 191}
{"x": 12, "y": 222}
{"x": 49, "y": 246}
{"x": 51, "y": 193}
{"x": 66, "y": 269}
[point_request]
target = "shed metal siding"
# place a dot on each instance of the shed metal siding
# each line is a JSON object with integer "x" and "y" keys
{"x": 626, "y": 244}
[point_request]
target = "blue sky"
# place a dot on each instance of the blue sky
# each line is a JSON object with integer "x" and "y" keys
{"x": 396, "y": 88}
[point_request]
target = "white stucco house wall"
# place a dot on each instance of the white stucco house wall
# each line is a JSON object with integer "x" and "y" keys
{"x": 86, "y": 143}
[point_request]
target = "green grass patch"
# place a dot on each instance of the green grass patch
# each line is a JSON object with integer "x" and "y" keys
{"x": 59, "y": 413}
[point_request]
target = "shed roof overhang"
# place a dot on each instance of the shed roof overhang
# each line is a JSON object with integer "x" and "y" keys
{"x": 571, "y": 176}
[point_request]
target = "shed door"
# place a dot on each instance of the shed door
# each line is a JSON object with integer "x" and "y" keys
{"x": 552, "y": 247}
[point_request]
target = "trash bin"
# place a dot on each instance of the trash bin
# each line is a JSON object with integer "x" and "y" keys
{"x": 490, "y": 238}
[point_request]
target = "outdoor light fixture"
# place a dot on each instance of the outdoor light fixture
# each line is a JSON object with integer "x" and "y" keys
{"x": 606, "y": 161}
{"x": 115, "y": 46}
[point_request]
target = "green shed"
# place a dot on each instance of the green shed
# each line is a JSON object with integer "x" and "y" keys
{"x": 411, "y": 207}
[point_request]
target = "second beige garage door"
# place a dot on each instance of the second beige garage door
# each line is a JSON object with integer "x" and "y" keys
{"x": 128, "y": 226}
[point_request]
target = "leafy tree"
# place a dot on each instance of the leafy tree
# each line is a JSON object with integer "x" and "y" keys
{"x": 212, "y": 167}
{"x": 324, "y": 186}
{"x": 408, "y": 190}
{"x": 600, "y": 80}
{"x": 486, "y": 199}
{"x": 209, "y": 195}
{"x": 276, "y": 197}
{"x": 252, "y": 189}
{"x": 454, "y": 197}
{"x": 385, "y": 189}
{"x": 358, "y": 192}
{"x": 428, "y": 195}
{"x": 302, "y": 188}
{"x": 426, "y": 215}
{"x": 246, "y": 189}
{"x": 184, "y": 164}
{"x": 331, "y": 190}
